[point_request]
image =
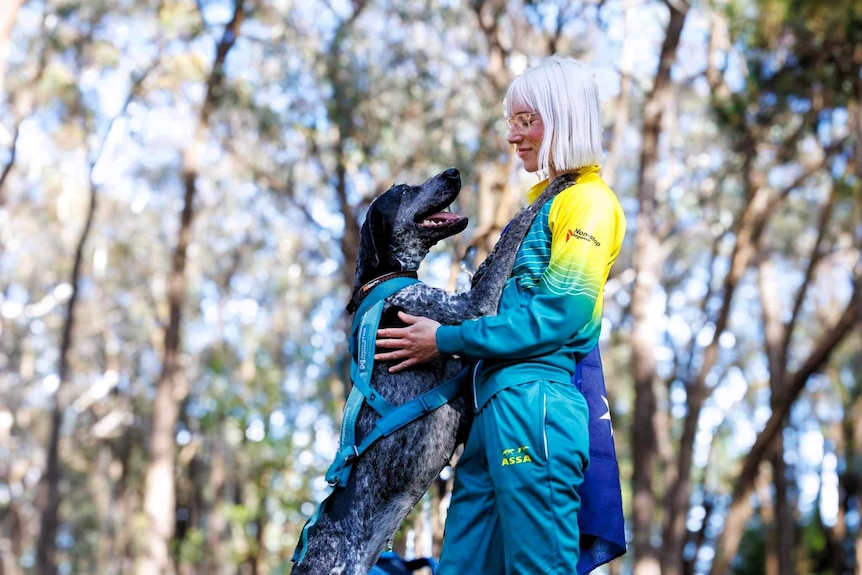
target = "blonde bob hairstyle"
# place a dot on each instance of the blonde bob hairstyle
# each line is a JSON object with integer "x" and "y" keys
{"x": 564, "y": 93}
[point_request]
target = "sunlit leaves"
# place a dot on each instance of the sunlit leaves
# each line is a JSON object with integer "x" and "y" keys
{"x": 181, "y": 70}
{"x": 60, "y": 82}
{"x": 105, "y": 54}
{"x": 180, "y": 18}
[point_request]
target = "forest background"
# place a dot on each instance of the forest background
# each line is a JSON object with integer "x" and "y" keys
{"x": 181, "y": 185}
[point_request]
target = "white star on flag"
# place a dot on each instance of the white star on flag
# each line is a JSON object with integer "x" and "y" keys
{"x": 608, "y": 414}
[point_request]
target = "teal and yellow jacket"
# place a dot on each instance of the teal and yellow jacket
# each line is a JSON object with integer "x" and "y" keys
{"x": 551, "y": 307}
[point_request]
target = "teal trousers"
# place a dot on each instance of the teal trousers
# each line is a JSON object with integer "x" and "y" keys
{"x": 515, "y": 503}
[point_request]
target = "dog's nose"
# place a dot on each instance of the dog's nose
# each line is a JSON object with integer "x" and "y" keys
{"x": 452, "y": 173}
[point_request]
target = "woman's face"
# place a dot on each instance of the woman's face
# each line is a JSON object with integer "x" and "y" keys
{"x": 525, "y": 133}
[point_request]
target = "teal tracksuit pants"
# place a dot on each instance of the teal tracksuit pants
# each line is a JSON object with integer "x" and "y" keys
{"x": 515, "y": 502}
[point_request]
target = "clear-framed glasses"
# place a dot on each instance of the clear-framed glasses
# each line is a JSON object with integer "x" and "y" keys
{"x": 522, "y": 122}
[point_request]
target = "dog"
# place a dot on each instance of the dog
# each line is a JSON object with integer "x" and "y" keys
{"x": 400, "y": 228}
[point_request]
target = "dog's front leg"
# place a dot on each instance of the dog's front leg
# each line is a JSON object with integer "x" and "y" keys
{"x": 491, "y": 276}
{"x": 483, "y": 298}
{"x": 443, "y": 306}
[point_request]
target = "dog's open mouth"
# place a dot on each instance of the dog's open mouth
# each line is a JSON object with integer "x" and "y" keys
{"x": 438, "y": 219}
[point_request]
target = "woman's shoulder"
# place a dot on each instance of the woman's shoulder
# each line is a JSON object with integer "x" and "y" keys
{"x": 590, "y": 189}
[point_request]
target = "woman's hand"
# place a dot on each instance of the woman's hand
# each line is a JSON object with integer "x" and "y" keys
{"x": 414, "y": 344}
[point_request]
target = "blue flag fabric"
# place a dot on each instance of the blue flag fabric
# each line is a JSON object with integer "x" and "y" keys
{"x": 390, "y": 563}
{"x": 601, "y": 519}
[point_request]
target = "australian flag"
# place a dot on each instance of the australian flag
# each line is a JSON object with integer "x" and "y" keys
{"x": 601, "y": 517}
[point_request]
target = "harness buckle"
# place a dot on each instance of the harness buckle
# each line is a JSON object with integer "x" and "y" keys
{"x": 351, "y": 456}
{"x": 340, "y": 468}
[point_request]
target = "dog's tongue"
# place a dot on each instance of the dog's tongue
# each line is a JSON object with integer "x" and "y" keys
{"x": 439, "y": 218}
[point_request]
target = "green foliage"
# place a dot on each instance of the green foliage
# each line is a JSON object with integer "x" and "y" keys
{"x": 804, "y": 49}
{"x": 816, "y": 549}
{"x": 105, "y": 54}
{"x": 191, "y": 548}
{"x": 181, "y": 69}
{"x": 751, "y": 558}
{"x": 59, "y": 82}
{"x": 799, "y": 57}
{"x": 180, "y": 18}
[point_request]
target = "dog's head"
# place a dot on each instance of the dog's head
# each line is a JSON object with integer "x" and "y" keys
{"x": 405, "y": 222}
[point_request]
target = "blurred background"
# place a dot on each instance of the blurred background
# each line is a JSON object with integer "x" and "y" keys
{"x": 181, "y": 186}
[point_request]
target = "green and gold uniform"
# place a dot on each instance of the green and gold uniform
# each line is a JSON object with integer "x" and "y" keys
{"x": 515, "y": 502}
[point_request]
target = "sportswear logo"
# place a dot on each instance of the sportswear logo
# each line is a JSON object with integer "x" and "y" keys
{"x": 516, "y": 456}
{"x": 363, "y": 347}
{"x": 581, "y": 234}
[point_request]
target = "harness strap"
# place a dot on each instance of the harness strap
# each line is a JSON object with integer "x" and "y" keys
{"x": 392, "y": 418}
{"x": 307, "y": 531}
{"x": 405, "y": 414}
{"x": 362, "y": 362}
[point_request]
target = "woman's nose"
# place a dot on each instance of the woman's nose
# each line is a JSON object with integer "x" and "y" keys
{"x": 513, "y": 136}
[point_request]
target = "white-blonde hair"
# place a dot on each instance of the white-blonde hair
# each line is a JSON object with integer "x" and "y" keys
{"x": 563, "y": 91}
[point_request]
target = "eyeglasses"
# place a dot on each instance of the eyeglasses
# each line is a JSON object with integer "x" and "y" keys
{"x": 522, "y": 122}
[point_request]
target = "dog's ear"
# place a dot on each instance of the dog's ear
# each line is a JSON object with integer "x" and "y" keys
{"x": 371, "y": 230}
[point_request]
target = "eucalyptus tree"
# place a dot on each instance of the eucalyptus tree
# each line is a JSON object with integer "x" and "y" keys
{"x": 43, "y": 84}
{"x": 172, "y": 387}
{"x": 48, "y": 498}
{"x": 795, "y": 124}
{"x": 648, "y": 260}
{"x": 715, "y": 334}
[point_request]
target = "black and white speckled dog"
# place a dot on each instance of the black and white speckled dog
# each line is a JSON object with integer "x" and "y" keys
{"x": 386, "y": 482}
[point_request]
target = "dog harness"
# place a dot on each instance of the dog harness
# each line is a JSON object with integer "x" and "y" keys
{"x": 392, "y": 418}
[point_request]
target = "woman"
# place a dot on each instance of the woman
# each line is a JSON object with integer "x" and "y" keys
{"x": 515, "y": 501}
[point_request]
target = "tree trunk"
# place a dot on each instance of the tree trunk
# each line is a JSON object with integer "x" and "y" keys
{"x": 785, "y": 522}
{"x": 497, "y": 199}
{"x": 763, "y": 488}
{"x": 102, "y": 494}
{"x": 648, "y": 261}
{"x": 48, "y": 495}
{"x": 748, "y": 233}
{"x": 849, "y": 434}
{"x": 217, "y": 520}
{"x": 171, "y": 389}
{"x": 791, "y": 384}
{"x": 782, "y": 526}
{"x": 12, "y": 544}
{"x": 343, "y": 104}
{"x": 48, "y": 492}
{"x": 740, "y": 509}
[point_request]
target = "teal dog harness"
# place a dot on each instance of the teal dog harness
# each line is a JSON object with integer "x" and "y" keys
{"x": 392, "y": 418}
